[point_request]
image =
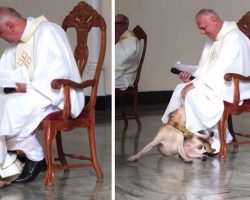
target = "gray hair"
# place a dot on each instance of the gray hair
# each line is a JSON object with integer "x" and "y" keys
{"x": 9, "y": 12}
{"x": 124, "y": 18}
{"x": 207, "y": 12}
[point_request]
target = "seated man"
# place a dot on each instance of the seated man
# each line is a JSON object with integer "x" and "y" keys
{"x": 128, "y": 52}
{"x": 227, "y": 50}
{"x": 42, "y": 50}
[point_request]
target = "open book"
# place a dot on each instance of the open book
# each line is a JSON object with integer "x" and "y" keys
{"x": 9, "y": 78}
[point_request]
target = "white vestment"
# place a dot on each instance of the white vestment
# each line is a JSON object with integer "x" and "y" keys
{"x": 230, "y": 52}
{"x": 128, "y": 53}
{"x": 21, "y": 113}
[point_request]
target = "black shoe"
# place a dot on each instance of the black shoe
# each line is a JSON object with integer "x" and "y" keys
{"x": 31, "y": 170}
{"x": 22, "y": 158}
{"x": 210, "y": 154}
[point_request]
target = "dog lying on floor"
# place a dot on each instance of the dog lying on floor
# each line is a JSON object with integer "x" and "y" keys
{"x": 174, "y": 139}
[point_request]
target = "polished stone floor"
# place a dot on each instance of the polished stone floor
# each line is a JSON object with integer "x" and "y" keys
{"x": 169, "y": 178}
{"x": 81, "y": 183}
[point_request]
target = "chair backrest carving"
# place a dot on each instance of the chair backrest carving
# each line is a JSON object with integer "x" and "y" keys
{"x": 244, "y": 24}
{"x": 83, "y": 18}
{"x": 141, "y": 35}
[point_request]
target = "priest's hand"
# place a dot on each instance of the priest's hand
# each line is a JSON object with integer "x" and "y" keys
{"x": 21, "y": 87}
{"x": 186, "y": 89}
{"x": 185, "y": 77}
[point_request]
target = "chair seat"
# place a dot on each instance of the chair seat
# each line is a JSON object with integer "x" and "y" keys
{"x": 245, "y": 103}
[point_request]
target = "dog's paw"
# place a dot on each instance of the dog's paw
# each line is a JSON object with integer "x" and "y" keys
{"x": 132, "y": 159}
{"x": 188, "y": 160}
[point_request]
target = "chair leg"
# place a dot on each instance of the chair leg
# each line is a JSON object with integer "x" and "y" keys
{"x": 135, "y": 110}
{"x": 230, "y": 124}
{"x": 60, "y": 150}
{"x": 123, "y": 113}
{"x": 123, "y": 139}
{"x": 49, "y": 141}
{"x": 222, "y": 133}
{"x": 231, "y": 130}
{"x": 94, "y": 160}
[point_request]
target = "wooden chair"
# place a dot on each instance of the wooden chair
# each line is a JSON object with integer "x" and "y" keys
{"x": 132, "y": 91}
{"x": 82, "y": 18}
{"x": 234, "y": 108}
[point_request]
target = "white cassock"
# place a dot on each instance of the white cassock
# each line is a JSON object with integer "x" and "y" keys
{"x": 230, "y": 52}
{"x": 21, "y": 113}
{"x": 128, "y": 52}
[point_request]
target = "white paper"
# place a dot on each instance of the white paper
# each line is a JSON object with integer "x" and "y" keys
{"x": 9, "y": 78}
{"x": 185, "y": 68}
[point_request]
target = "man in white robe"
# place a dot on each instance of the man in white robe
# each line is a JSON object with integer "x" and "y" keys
{"x": 227, "y": 50}
{"x": 128, "y": 51}
{"x": 42, "y": 50}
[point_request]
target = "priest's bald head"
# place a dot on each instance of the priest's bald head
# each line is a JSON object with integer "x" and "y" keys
{"x": 12, "y": 24}
{"x": 209, "y": 23}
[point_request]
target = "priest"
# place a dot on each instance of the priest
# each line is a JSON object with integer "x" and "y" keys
{"x": 226, "y": 50}
{"x": 128, "y": 51}
{"x": 41, "y": 50}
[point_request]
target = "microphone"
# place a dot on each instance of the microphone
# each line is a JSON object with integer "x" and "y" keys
{"x": 177, "y": 71}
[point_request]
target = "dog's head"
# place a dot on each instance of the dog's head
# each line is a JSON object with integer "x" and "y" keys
{"x": 194, "y": 147}
{"x": 178, "y": 115}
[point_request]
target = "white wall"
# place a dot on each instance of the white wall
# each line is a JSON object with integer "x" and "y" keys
{"x": 172, "y": 34}
{"x": 55, "y": 11}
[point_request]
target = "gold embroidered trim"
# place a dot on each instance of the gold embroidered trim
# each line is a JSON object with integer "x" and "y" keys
{"x": 32, "y": 30}
{"x": 181, "y": 128}
{"x": 24, "y": 59}
{"x": 126, "y": 35}
{"x": 25, "y": 48}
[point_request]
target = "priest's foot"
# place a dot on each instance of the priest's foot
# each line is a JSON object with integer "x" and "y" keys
{"x": 31, "y": 170}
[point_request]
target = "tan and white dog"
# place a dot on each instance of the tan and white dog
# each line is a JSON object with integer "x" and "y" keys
{"x": 174, "y": 139}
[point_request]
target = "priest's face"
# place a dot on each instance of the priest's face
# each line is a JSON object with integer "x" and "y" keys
{"x": 9, "y": 33}
{"x": 120, "y": 26}
{"x": 208, "y": 25}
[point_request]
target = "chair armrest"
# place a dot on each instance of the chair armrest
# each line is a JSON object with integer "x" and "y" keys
{"x": 58, "y": 83}
{"x": 67, "y": 85}
{"x": 231, "y": 76}
{"x": 236, "y": 78}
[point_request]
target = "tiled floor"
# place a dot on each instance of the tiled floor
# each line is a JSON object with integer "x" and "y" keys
{"x": 81, "y": 183}
{"x": 152, "y": 177}
{"x": 169, "y": 178}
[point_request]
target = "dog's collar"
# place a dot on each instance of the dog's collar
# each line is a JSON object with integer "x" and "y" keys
{"x": 178, "y": 126}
